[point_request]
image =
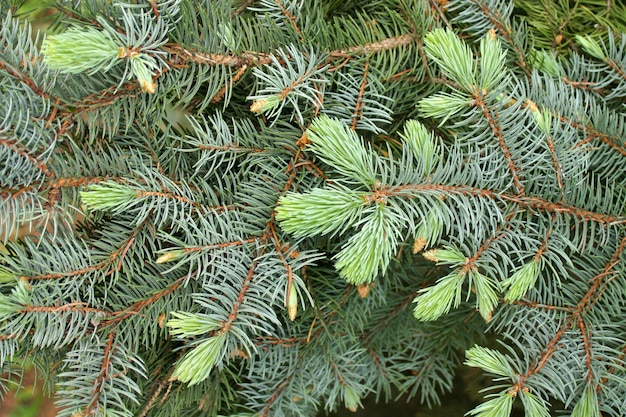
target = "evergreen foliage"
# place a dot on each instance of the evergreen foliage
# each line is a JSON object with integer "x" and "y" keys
{"x": 277, "y": 207}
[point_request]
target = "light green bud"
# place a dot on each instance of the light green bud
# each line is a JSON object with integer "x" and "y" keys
{"x": 170, "y": 256}
{"x": 591, "y": 46}
{"x": 81, "y": 50}
{"x": 140, "y": 65}
{"x": 447, "y": 256}
{"x": 521, "y": 281}
{"x": 191, "y": 324}
{"x": 198, "y": 363}
{"x": 351, "y": 399}
{"x": 107, "y": 196}
{"x": 292, "y": 302}
{"x": 265, "y": 104}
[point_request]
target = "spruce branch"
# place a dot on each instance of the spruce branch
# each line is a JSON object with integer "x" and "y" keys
{"x": 258, "y": 231}
{"x": 483, "y": 15}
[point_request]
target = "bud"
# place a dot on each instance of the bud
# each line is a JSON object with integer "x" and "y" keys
{"x": 590, "y": 46}
{"x": 447, "y": 256}
{"x": 161, "y": 320}
{"x": 351, "y": 399}
{"x": 419, "y": 244}
{"x": 364, "y": 289}
{"x": 264, "y": 104}
{"x": 147, "y": 86}
{"x": 431, "y": 255}
{"x": 258, "y": 105}
{"x": 169, "y": 256}
{"x": 142, "y": 66}
{"x": 292, "y": 301}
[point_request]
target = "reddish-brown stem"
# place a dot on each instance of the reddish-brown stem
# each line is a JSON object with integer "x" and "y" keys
{"x": 222, "y": 92}
{"x": 526, "y": 202}
{"x": 15, "y": 147}
{"x": 356, "y": 115}
{"x": 544, "y": 245}
{"x": 494, "y": 123}
{"x": 577, "y": 319}
{"x": 168, "y": 195}
{"x": 73, "y": 307}
{"x": 108, "y": 352}
{"x": 616, "y": 67}
{"x": 505, "y": 31}
{"x": 555, "y": 162}
{"x": 220, "y": 245}
{"x": 135, "y": 308}
{"x": 471, "y": 262}
{"x": 292, "y": 19}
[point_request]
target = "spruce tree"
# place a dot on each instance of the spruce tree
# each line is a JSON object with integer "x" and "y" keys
{"x": 280, "y": 207}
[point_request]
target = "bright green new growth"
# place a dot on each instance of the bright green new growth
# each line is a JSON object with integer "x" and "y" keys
{"x": 108, "y": 196}
{"x": 443, "y": 105}
{"x": 428, "y": 231}
{"x": 521, "y": 281}
{"x": 370, "y": 249}
{"x": 446, "y": 256}
{"x": 489, "y": 360}
{"x": 440, "y": 298}
{"x": 186, "y": 324}
{"x": 20, "y": 297}
{"x": 543, "y": 118}
{"x": 546, "y": 62}
{"x": 487, "y": 290}
{"x": 351, "y": 399}
{"x": 320, "y": 212}
{"x": 197, "y": 364}
{"x": 587, "y": 405}
{"x": 435, "y": 301}
{"x": 492, "y": 58}
{"x": 341, "y": 148}
{"x": 499, "y": 406}
{"x": 90, "y": 50}
{"x": 456, "y": 59}
{"x": 591, "y": 46}
{"x": 423, "y": 144}
{"x": 534, "y": 406}
{"x": 81, "y": 50}
{"x": 6, "y": 276}
{"x": 142, "y": 67}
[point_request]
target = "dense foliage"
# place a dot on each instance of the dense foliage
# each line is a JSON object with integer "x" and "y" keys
{"x": 276, "y": 207}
